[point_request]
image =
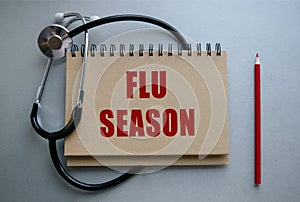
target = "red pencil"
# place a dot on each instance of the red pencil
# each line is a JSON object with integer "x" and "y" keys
{"x": 257, "y": 121}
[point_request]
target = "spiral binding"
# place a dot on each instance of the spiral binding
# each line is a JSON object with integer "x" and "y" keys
{"x": 112, "y": 50}
{"x": 208, "y": 49}
{"x": 102, "y": 49}
{"x": 74, "y": 48}
{"x": 170, "y": 50}
{"x": 199, "y": 49}
{"x": 151, "y": 49}
{"x": 122, "y": 50}
{"x": 93, "y": 49}
{"x": 141, "y": 49}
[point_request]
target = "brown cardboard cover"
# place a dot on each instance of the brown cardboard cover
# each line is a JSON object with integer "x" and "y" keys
{"x": 193, "y": 82}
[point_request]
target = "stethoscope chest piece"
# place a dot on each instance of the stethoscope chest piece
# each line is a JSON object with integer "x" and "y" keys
{"x": 53, "y": 41}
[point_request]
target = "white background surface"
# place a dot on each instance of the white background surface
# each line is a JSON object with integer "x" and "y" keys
{"x": 243, "y": 27}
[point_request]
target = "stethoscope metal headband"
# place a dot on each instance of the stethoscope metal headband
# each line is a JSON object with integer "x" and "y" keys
{"x": 53, "y": 46}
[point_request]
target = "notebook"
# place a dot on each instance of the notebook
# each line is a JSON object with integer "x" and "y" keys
{"x": 148, "y": 107}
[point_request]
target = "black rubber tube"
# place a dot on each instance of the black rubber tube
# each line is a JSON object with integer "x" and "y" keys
{"x": 130, "y": 17}
{"x": 76, "y": 183}
{"x": 59, "y": 134}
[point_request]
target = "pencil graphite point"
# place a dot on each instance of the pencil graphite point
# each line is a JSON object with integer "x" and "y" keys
{"x": 257, "y": 59}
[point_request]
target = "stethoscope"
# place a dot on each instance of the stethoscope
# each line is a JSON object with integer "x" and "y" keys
{"x": 53, "y": 42}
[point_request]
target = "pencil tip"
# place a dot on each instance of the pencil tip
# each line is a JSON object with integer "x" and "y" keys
{"x": 257, "y": 55}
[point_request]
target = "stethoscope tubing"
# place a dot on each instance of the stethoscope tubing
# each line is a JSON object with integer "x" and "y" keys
{"x": 130, "y": 17}
{"x": 76, "y": 183}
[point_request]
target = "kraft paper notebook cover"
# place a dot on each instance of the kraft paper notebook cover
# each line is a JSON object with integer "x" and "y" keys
{"x": 124, "y": 90}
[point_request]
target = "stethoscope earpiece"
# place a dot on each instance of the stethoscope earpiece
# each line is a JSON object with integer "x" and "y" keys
{"x": 58, "y": 18}
{"x": 53, "y": 41}
{"x": 94, "y": 17}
